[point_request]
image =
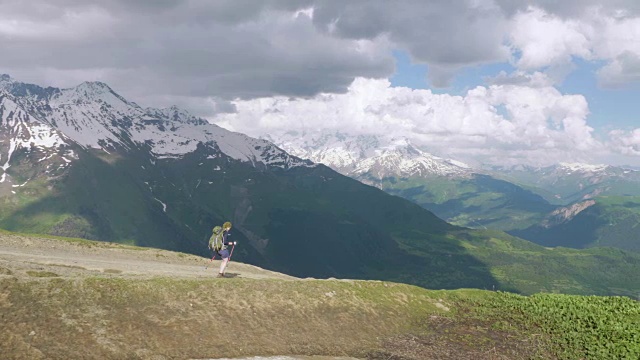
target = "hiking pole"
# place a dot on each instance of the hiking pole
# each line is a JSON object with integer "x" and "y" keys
{"x": 210, "y": 261}
{"x": 233, "y": 247}
{"x": 230, "y": 254}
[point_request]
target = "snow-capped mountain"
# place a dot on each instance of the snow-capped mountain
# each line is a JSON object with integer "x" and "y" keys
{"x": 569, "y": 182}
{"x": 23, "y": 131}
{"x": 401, "y": 159}
{"x": 93, "y": 116}
{"x": 451, "y": 189}
{"x": 86, "y": 162}
{"x": 338, "y": 151}
{"x": 369, "y": 155}
{"x": 162, "y": 178}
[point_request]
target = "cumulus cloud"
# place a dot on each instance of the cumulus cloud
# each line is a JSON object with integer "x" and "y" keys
{"x": 266, "y": 65}
{"x": 626, "y": 142}
{"x": 522, "y": 78}
{"x": 446, "y": 35}
{"x": 571, "y": 8}
{"x": 625, "y": 69}
{"x": 498, "y": 123}
{"x": 201, "y": 49}
{"x": 247, "y": 49}
{"x": 545, "y": 39}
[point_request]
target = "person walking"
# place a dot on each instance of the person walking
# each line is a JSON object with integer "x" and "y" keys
{"x": 219, "y": 243}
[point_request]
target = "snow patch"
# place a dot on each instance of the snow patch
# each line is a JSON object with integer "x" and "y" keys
{"x": 21, "y": 185}
{"x": 583, "y": 167}
{"x": 164, "y": 206}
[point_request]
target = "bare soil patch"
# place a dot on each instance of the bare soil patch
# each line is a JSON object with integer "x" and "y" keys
{"x": 67, "y": 259}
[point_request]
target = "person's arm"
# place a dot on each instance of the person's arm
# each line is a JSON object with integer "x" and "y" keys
{"x": 225, "y": 238}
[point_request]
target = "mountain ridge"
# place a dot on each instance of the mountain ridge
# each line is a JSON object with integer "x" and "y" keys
{"x": 163, "y": 179}
{"x": 93, "y": 115}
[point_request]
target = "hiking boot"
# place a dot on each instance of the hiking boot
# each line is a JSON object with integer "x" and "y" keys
{"x": 220, "y": 275}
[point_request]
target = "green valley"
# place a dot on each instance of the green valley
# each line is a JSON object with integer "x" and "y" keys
{"x": 612, "y": 221}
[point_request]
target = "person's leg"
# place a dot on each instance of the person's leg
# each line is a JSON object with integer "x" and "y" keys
{"x": 224, "y": 254}
{"x": 223, "y": 265}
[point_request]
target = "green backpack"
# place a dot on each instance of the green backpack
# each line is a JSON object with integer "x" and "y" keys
{"x": 215, "y": 241}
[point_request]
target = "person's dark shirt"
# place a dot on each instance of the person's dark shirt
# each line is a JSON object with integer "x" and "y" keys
{"x": 225, "y": 237}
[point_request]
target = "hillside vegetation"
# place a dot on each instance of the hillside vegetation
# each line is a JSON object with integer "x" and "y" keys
{"x": 612, "y": 221}
{"x": 127, "y": 308}
{"x": 477, "y": 201}
{"x": 302, "y": 222}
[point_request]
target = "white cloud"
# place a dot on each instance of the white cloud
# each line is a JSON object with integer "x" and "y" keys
{"x": 545, "y": 39}
{"x": 201, "y": 54}
{"x": 522, "y": 78}
{"x": 499, "y": 123}
{"x": 625, "y": 69}
{"x": 247, "y": 49}
{"x": 625, "y": 142}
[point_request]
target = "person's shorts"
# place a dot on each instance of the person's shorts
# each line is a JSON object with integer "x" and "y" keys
{"x": 224, "y": 253}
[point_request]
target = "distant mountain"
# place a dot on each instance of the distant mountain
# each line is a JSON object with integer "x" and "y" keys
{"x": 368, "y": 154}
{"x": 85, "y": 162}
{"x": 451, "y": 189}
{"x": 566, "y": 183}
{"x": 603, "y": 221}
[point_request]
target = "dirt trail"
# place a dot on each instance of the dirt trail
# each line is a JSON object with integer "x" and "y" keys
{"x": 26, "y": 256}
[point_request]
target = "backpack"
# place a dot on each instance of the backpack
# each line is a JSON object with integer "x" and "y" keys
{"x": 215, "y": 241}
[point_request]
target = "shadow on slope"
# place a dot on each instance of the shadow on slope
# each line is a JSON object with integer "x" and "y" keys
{"x": 304, "y": 221}
{"x": 99, "y": 198}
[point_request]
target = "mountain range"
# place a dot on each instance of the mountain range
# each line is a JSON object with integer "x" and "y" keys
{"x": 536, "y": 203}
{"x": 451, "y": 189}
{"x": 566, "y": 183}
{"x": 85, "y": 162}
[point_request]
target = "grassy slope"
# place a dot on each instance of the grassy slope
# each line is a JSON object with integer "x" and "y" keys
{"x": 102, "y": 197}
{"x": 480, "y": 201}
{"x": 530, "y": 268}
{"x": 304, "y": 222}
{"x": 44, "y": 316}
{"x": 612, "y": 221}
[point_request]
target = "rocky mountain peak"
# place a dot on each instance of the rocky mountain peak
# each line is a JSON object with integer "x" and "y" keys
{"x": 92, "y": 115}
{"x": 379, "y": 156}
{"x": 89, "y": 91}
{"x": 5, "y": 78}
{"x": 564, "y": 214}
{"x": 25, "y": 92}
{"x": 97, "y": 86}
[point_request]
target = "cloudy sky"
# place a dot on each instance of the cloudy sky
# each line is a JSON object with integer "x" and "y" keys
{"x": 532, "y": 81}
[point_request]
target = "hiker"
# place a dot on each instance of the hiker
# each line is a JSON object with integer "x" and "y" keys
{"x": 219, "y": 243}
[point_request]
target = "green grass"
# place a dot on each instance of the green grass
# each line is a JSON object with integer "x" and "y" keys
{"x": 309, "y": 317}
{"x": 476, "y": 202}
{"x": 78, "y": 241}
{"x": 613, "y": 221}
{"x": 42, "y": 274}
{"x": 577, "y": 327}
